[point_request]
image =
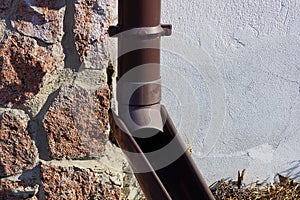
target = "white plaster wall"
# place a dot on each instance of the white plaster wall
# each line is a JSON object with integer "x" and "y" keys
{"x": 254, "y": 45}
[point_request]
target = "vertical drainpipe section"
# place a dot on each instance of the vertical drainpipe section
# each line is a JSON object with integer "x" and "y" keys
{"x": 145, "y": 123}
{"x": 139, "y": 85}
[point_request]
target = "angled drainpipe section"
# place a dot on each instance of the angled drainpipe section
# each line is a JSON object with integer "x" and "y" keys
{"x": 157, "y": 155}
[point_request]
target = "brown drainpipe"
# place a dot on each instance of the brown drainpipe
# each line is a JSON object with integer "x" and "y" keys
{"x": 145, "y": 123}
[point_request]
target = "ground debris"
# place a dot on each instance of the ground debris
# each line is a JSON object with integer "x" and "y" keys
{"x": 282, "y": 188}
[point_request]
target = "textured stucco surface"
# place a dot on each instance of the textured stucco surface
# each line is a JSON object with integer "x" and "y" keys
{"x": 254, "y": 46}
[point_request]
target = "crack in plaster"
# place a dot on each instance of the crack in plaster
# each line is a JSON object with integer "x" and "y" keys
{"x": 255, "y": 30}
{"x": 239, "y": 41}
{"x": 263, "y": 152}
{"x": 281, "y": 77}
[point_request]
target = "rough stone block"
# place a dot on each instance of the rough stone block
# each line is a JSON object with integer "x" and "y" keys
{"x": 25, "y": 67}
{"x": 18, "y": 151}
{"x": 76, "y": 123}
{"x": 18, "y": 190}
{"x": 40, "y": 19}
{"x": 91, "y": 25}
{"x": 76, "y": 183}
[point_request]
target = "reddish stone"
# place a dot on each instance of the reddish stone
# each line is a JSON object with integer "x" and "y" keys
{"x": 76, "y": 183}
{"x": 24, "y": 67}
{"x": 91, "y": 25}
{"x": 18, "y": 190}
{"x": 18, "y": 151}
{"x": 76, "y": 122}
{"x": 42, "y": 19}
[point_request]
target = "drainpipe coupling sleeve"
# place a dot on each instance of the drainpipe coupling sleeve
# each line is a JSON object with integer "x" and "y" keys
{"x": 145, "y": 117}
{"x": 139, "y": 93}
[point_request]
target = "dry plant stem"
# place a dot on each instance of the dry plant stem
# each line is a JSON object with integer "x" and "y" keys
{"x": 282, "y": 189}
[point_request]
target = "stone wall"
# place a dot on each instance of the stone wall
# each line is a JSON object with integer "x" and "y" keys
{"x": 55, "y": 98}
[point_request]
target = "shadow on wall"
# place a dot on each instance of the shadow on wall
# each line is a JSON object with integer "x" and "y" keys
{"x": 36, "y": 126}
{"x": 294, "y": 171}
{"x": 22, "y": 70}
